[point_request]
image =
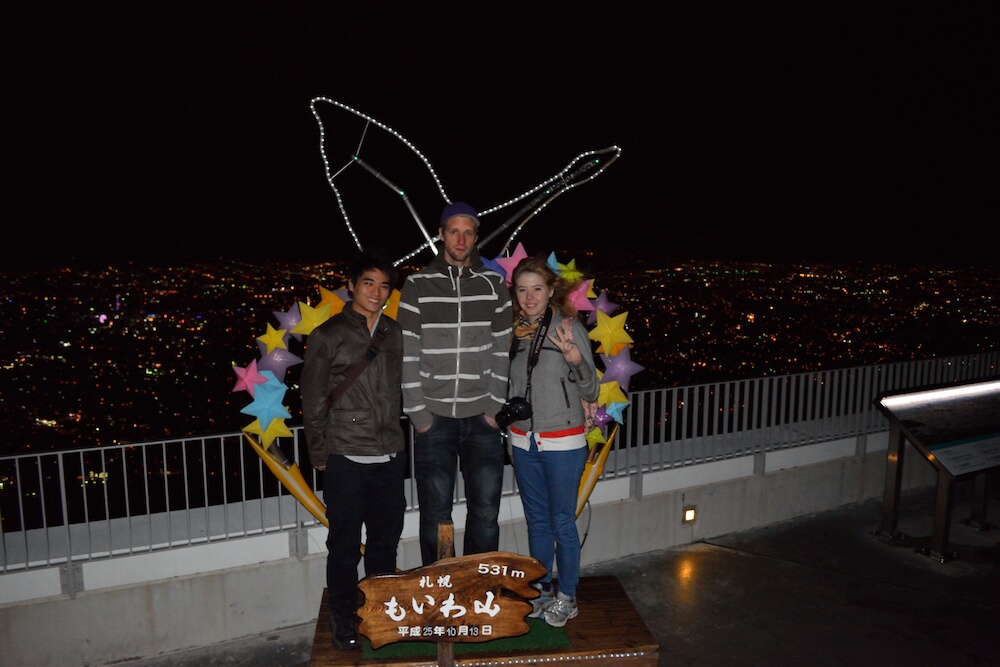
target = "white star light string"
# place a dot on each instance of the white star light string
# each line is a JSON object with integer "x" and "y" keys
{"x": 263, "y": 378}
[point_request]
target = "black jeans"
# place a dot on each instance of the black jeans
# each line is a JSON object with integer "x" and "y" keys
{"x": 356, "y": 494}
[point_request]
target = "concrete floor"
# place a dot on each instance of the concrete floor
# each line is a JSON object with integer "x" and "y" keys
{"x": 818, "y": 590}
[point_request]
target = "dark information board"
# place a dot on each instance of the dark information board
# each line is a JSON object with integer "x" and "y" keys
{"x": 956, "y": 428}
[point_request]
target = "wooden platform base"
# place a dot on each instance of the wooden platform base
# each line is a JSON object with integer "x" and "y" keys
{"x": 608, "y": 631}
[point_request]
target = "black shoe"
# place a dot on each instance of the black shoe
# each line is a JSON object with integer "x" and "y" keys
{"x": 344, "y": 631}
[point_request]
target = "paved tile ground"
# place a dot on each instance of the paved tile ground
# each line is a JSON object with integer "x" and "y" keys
{"x": 818, "y": 590}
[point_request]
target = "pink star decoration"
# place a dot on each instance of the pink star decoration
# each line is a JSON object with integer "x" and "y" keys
{"x": 248, "y": 378}
{"x": 578, "y": 297}
{"x": 508, "y": 264}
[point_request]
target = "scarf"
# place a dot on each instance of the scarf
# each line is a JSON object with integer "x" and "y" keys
{"x": 525, "y": 330}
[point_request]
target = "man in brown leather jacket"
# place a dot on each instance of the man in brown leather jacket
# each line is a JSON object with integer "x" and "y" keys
{"x": 355, "y": 436}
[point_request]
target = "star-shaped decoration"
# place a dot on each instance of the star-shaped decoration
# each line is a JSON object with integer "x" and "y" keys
{"x": 610, "y": 333}
{"x": 274, "y": 338}
{"x": 276, "y": 429}
{"x": 271, "y": 379}
{"x": 595, "y": 437}
{"x": 334, "y": 299}
{"x": 267, "y": 405}
{"x": 615, "y": 411}
{"x": 611, "y": 392}
{"x": 248, "y": 378}
{"x": 602, "y": 304}
{"x": 492, "y": 265}
{"x": 620, "y": 368}
{"x": 312, "y": 317}
{"x": 277, "y": 361}
{"x": 578, "y": 297}
{"x": 553, "y": 263}
{"x": 602, "y": 418}
{"x": 288, "y": 319}
{"x": 569, "y": 272}
{"x": 508, "y": 264}
{"x": 391, "y": 307}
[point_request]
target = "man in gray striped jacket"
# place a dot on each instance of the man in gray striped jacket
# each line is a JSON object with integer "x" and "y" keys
{"x": 457, "y": 320}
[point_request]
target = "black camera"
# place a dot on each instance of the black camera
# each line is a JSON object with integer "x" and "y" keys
{"x": 514, "y": 410}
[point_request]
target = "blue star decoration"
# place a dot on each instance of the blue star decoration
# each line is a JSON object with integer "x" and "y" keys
{"x": 266, "y": 405}
{"x": 614, "y": 411}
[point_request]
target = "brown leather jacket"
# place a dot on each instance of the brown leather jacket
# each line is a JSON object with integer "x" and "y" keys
{"x": 366, "y": 419}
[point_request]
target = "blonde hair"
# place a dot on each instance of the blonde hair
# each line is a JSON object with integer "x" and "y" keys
{"x": 560, "y": 288}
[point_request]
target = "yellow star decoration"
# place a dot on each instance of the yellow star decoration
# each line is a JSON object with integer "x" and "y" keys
{"x": 569, "y": 272}
{"x": 273, "y": 338}
{"x": 595, "y": 437}
{"x": 610, "y": 333}
{"x": 336, "y": 303}
{"x": 313, "y": 317}
{"x": 391, "y": 307}
{"x": 274, "y": 430}
{"x": 611, "y": 392}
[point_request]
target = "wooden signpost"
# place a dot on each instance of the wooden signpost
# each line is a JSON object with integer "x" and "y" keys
{"x": 464, "y": 599}
{"x": 474, "y": 598}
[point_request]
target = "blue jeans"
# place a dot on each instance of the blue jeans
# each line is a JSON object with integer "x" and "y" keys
{"x": 436, "y": 457}
{"x": 356, "y": 494}
{"x": 549, "y": 483}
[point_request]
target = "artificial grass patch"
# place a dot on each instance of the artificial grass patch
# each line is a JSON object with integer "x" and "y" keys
{"x": 540, "y": 635}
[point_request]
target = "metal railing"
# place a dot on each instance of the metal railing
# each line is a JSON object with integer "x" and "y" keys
{"x": 109, "y": 501}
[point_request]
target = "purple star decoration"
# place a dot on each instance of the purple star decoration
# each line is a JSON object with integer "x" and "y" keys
{"x": 289, "y": 319}
{"x": 602, "y": 418}
{"x": 620, "y": 368}
{"x": 277, "y": 361}
{"x": 603, "y": 304}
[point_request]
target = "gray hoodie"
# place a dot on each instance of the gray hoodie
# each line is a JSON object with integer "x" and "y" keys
{"x": 557, "y": 388}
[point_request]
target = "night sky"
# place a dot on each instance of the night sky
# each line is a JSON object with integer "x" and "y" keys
{"x": 181, "y": 131}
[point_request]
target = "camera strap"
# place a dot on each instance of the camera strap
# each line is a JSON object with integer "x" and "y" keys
{"x": 534, "y": 351}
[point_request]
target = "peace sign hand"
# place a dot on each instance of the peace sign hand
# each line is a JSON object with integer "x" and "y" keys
{"x": 562, "y": 337}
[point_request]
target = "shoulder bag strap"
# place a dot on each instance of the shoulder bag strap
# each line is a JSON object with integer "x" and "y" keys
{"x": 358, "y": 367}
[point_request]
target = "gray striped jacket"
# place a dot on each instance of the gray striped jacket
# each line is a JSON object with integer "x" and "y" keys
{"x": 457, "y": 323}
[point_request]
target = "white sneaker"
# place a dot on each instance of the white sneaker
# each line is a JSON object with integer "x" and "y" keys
{"x": 538, "y": 604}
{"x": 559, "y": 610}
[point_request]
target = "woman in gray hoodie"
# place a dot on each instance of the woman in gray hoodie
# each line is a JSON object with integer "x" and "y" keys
{"x": 552, "y": 367}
